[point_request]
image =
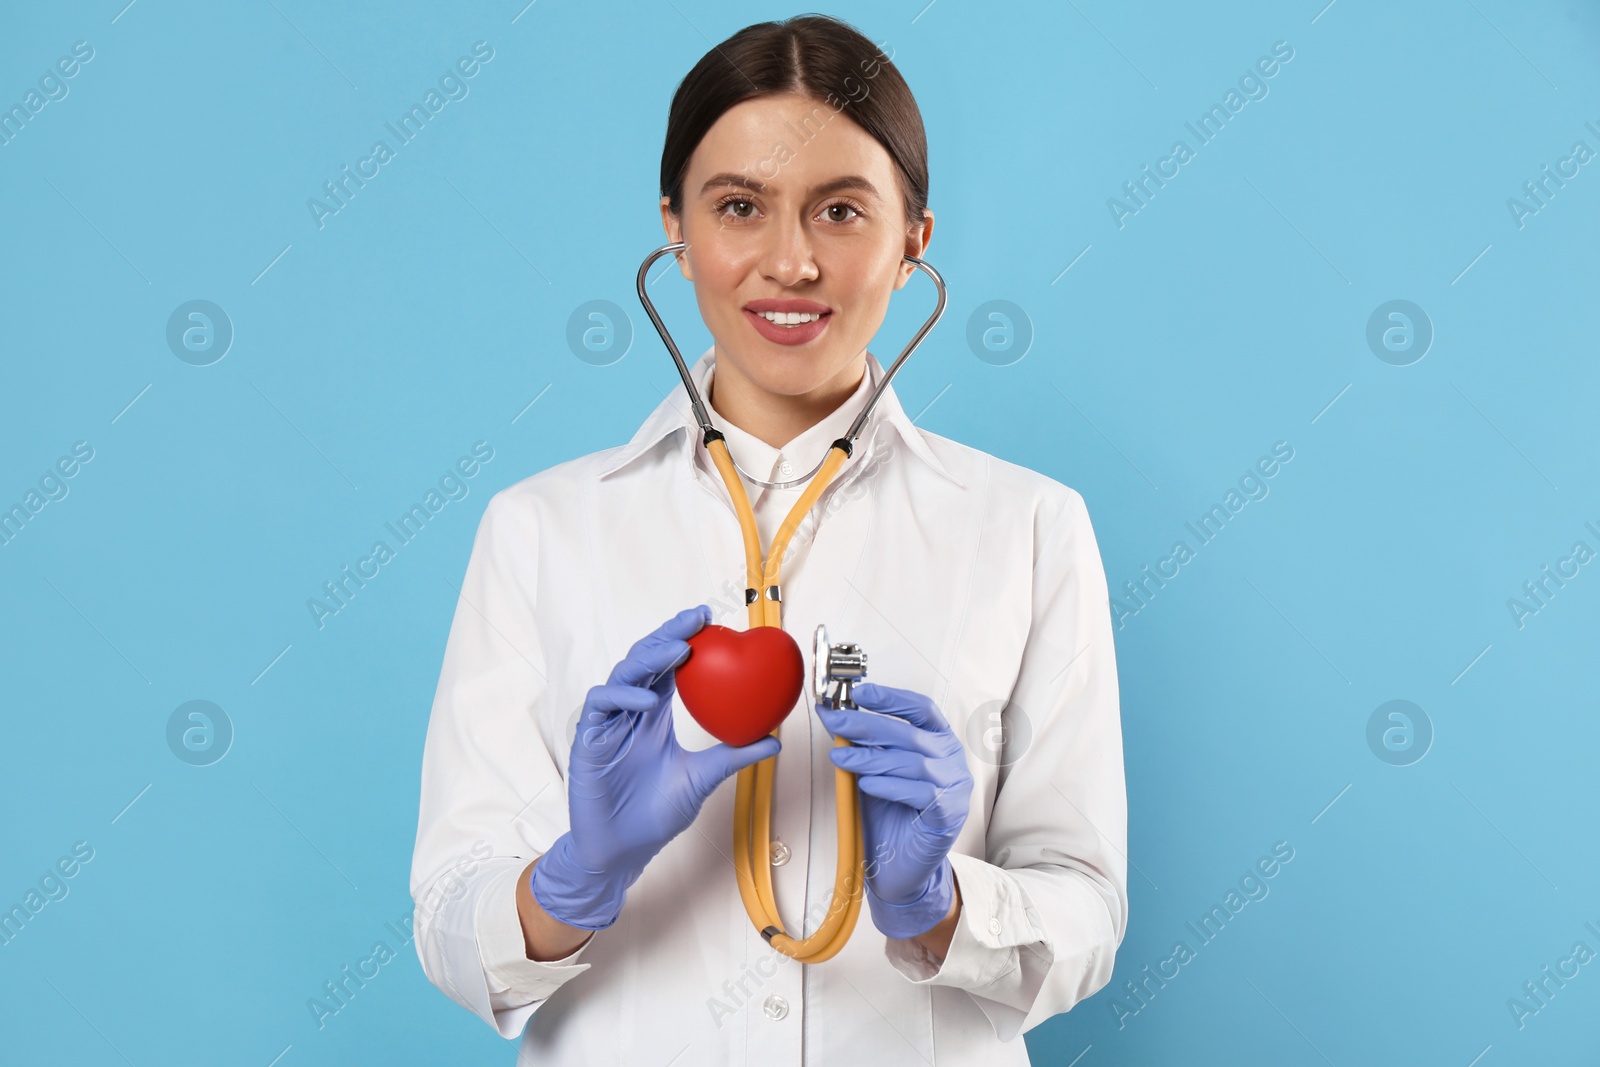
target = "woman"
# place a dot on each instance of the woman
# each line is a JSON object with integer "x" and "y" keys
{"x": 573, "y": 880}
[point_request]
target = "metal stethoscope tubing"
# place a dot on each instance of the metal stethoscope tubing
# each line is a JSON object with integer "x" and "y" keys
{"x": 752, "y": 816}
{"x": 704, "y": 419}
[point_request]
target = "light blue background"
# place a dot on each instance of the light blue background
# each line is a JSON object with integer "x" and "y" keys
{"x": 1229, "y": 314}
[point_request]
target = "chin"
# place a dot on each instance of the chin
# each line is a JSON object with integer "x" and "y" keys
{"x": 793, "y": 380}
{"x": 791, "y": 373}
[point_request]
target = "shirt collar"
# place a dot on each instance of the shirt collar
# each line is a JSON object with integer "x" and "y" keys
{"x": 674, "y": 414}
{"x": 803, "y": 452}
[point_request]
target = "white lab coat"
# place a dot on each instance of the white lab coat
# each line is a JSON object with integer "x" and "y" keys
{"x": 964, "y": 577}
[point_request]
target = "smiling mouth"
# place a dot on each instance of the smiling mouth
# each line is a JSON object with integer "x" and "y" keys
{"x": 790, "y": 328}
{"x": 789, "y": 318}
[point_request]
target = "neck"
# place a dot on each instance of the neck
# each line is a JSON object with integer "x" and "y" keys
{"x": 776, "y": 418}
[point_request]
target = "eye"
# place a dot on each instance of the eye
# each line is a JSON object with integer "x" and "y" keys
{"x": 844, "y": 205}
{"x": 735, "y": 200}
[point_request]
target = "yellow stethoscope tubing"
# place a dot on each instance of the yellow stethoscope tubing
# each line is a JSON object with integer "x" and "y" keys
{"x": 752, "y": 805}
{"x": 753, "y": 798}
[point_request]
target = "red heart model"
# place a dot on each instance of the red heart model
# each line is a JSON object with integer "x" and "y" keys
{"x": 740, "y": 684}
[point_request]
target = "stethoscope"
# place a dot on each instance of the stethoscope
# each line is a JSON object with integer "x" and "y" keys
{"x": 834, "y": 667}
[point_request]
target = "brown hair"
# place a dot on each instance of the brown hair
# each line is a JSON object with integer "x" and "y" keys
{"x": 818, "y": 56}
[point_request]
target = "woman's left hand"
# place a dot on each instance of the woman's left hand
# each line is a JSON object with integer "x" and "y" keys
{"x": 916, "y": 789}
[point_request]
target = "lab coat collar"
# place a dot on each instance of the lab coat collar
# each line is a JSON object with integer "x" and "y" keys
{"x": 674, "y": 414}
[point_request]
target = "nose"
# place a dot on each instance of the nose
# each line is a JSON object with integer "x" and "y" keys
{"x": 788, "y": 258}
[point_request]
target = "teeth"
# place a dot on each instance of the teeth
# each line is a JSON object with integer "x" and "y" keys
{"x": 789, "y": 318}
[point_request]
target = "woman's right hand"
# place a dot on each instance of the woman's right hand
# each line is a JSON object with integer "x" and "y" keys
{"x": 631, "y": 787}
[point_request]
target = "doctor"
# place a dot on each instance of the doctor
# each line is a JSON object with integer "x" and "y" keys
{"x": 572, "y": 874}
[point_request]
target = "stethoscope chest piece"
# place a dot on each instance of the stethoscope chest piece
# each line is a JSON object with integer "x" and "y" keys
{"x": 834, "y": 669}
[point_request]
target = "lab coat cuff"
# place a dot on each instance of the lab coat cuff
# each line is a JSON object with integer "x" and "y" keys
{"x": 505, "y": 952}
{"x": 992, "y": 925}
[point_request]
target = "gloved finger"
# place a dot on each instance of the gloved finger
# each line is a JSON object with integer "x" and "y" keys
{"x": 941, "y": 810}
{"x": 885, "y": 731}
{"x": 662, "y": 650}
{"x": 917, "y": 795}
{"x": 902, "y": 764}
{"x": 710, "y": 767}
{"x": 600, "y": 746}
{"x": 648, "y": 662}
{"x": 603, "y": 702}
{"x": 608, "y": 723}
{"x": 905, "y": 704}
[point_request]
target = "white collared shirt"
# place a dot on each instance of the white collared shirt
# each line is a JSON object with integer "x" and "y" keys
{"x": 964, "y": 577}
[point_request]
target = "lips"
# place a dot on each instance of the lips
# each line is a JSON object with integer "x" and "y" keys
{"x": 788, "y": 335}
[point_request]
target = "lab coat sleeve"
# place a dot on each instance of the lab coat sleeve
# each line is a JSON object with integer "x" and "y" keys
{"x": 1044, "y": 911}
{"x": 491, "y": 789}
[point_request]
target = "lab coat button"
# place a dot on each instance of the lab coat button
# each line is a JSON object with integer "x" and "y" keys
{"x": 994, "y": 926}
{"x": 775, "y": 1007}
{"x": 780, "y": 853}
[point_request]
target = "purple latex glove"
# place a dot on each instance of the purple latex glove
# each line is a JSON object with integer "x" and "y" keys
{"x": 631, "y": 787}
{"x": 916, "y": 789}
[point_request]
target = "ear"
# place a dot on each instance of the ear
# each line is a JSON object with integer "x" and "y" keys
{"x": 673, "y": 225}
{"x": 917, "y": 237}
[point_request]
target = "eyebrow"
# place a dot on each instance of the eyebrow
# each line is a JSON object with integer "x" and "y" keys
{"x": 849, "y": 181}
